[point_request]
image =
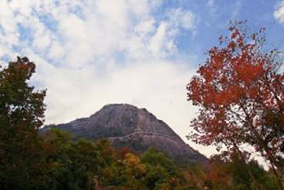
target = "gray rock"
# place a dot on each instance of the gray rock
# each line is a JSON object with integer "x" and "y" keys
{"x": 126, "y": 125}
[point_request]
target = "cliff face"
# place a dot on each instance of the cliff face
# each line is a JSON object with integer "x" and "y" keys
{"x": 126, "y": 125}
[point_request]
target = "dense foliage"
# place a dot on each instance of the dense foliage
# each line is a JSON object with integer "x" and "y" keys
{"x": 82, "y": 164}
{"x": 21, "y": 114}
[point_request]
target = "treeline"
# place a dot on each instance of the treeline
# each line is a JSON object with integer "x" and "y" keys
{"x": 57, "y": 161}
{"x": 84, "y": 164}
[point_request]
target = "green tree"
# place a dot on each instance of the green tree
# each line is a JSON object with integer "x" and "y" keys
{"x": 76, "y": 164}
{"x": 160, "y": 170}
{"x": 21, "y": 114}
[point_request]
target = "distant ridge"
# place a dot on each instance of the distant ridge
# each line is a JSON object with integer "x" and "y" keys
{"x": 138, "y": 129}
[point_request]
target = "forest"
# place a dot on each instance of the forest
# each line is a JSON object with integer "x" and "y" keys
{"x": 240, "y": 94}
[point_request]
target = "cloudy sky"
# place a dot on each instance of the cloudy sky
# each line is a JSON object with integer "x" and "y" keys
{"x": 143, "y": 52}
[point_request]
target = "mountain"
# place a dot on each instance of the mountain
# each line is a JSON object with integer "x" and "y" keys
{"x": 126, "y": 125}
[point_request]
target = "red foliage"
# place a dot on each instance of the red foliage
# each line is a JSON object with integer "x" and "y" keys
{"x": 240, "y": 92}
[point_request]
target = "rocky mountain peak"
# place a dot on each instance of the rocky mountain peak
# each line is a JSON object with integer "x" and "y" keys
{"x": 127, "y": 125}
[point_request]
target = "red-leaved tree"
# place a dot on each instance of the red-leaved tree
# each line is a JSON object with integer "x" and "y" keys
{"x": 240, "y": 94}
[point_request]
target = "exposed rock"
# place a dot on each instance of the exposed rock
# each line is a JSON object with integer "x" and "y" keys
{"x": 126, "y": 125}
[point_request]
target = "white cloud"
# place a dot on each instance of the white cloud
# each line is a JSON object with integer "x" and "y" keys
{"x": 151, "y": 38}
{"x": 90, "y": 53}
{"x": 181, "y": 18}
{"x": 158, "y": 40}
{"x": 9, "y": 35}
{"x": 145, "y": 27}
{"x": 279, "y": 12}
{"x": 140, "y": 7}
{"x": 56, "y": 50}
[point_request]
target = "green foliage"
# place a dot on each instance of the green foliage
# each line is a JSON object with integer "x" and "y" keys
{"x": 239, "y": 173}
{"x": 75, "y": 164}
{"x": 21, "y": 114}
{"x": 154, "y": 157}
{"x": 21, "y": 107}
{"x": 232, "y": 173}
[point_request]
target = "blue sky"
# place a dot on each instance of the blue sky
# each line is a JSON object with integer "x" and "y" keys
{"x": 94, "y": 52}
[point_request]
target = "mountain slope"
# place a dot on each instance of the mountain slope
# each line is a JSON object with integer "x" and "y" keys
{"x": 126, "y": 125}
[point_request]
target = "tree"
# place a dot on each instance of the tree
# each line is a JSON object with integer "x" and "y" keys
{"x": 160, "y": 170}
{"x": 71, "y": 164}
{"x": 21, "y": 114}
{"x": 240, "y": 94}
{"x": 21, "y": 106}
{"x": 229, "y": 171}
{"x": 217, "y": 175}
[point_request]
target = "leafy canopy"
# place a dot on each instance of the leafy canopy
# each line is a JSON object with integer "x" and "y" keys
{"x": 240, "y": 94}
